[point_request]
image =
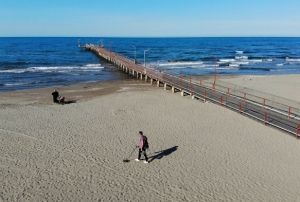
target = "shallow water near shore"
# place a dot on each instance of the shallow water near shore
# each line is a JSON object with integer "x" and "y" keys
{"x": 27, "y": 63}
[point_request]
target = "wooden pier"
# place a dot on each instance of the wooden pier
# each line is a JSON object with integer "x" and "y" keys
{"x": 270, "y": 110}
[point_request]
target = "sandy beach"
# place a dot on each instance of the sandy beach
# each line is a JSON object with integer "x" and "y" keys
{"x": 198, "y": 151}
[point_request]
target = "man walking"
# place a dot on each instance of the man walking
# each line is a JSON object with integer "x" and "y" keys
{"x": 143, "y": 145}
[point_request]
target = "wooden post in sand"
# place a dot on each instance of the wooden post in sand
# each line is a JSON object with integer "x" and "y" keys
{"x": 165, "y": 86}
{"x": 173, "y": 89}
{"x": 158, "y": 83}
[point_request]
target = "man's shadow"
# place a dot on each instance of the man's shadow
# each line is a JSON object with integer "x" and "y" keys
{"x": 67, "y": 102}
{"x": 162, "y": 153}
{"x": 70, "y": 102}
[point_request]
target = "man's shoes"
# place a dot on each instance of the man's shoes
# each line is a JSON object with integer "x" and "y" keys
{"x": 146, "y": 162}
{"x": 137, "y": 159}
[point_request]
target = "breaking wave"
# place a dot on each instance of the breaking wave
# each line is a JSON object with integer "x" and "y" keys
{"x": 59, "y": 69}
{"x": 185, "y": 65}
{"x": 189, "y": 63}
{"x": 292, "y": 60}
{"x": 15, "y": 84}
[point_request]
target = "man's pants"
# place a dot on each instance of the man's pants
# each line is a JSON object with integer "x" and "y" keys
{"x": 144, "y": 153}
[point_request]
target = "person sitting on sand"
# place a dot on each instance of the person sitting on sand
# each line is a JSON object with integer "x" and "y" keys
{"x": 57, "y": 98}
{"x": 143, "y": 145}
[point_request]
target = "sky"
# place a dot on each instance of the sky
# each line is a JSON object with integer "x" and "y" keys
{"x": 149, "y": 18}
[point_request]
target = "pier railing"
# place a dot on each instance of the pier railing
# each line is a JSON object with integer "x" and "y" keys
{"x": 272, "y": 110}
{"x": 290, "y": 107}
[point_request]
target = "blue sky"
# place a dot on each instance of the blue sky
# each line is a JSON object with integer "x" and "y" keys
{"x": 149, "y": 18}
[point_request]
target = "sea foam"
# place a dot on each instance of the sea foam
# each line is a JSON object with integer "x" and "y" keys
{"x": 64, "y": 69}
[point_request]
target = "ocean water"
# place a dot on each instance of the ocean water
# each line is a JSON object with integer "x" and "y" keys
{"x": 39, "y": 62}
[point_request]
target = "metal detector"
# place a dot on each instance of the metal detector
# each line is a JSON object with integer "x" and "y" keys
{"x": 127, "y": 159}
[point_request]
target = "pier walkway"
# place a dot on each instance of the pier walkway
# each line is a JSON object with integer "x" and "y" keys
{"x": 273, "y": 111}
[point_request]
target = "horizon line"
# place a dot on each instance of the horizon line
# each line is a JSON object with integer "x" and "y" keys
{"x": 204, "y": 36}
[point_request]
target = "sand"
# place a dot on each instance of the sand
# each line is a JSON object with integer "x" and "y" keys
{"x": 202, "y": 152}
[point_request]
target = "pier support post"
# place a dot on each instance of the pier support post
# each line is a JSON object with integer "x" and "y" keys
{"x": 182, "y": 93}
{"x": 158, "y": 83}
{"x": 132, "y": 72}
{"x": 146, "y": 78}
{"x": 193, "y": 97}
{"x": 165, "y": 86}
{"x": 173, "y": 89}
{"x": 151, "y": 81}
{"x": 141, "y": 76}
{"x": 137, "y": 75}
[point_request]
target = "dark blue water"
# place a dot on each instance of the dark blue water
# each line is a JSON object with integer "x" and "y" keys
{"x": 38, "y": 62}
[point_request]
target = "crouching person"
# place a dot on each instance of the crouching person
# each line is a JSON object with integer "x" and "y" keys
{"x": 57, "y": 98}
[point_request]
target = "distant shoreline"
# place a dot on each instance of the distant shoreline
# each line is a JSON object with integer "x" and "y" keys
{"x": 150, "y": 37}
{"x": 195, "y": 78}
{"x": 271, "y": 84}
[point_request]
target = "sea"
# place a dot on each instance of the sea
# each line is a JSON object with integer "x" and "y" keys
{"x": 27, "y": 63}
